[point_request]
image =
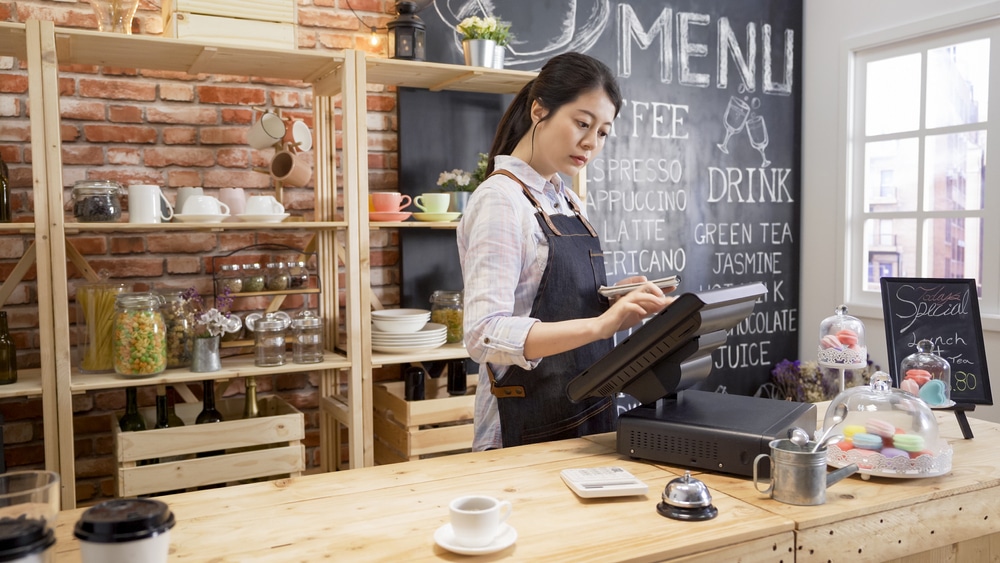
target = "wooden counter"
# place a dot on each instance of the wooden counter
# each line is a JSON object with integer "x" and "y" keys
{"x": 390, "y": 513}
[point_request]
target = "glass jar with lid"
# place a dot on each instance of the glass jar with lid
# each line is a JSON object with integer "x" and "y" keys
{"x": 140, "y": 340}
{"x": 97, "y": 201}
{"x": 927, "y": 375}
{"x": 276, "y": 276}
{"x": 298, "y": 275}
{"x": 253, "y": 277}
{"x": 228, "y": 278}
{"x": 307, "y": 345}
{"x": 447, "y": 309}
{"x": 95, "y": 318}
{"x": 842, "y": 341}
{"x": 178, "y": 319}
{"x": 269, "y": 340}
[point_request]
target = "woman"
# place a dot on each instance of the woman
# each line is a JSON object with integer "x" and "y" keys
{"x": 532, "y": 264}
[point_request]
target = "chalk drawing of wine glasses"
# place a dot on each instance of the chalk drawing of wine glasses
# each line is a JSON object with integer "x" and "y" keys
{"x": 757, "y": 130}
{"x": 737, "y": 112}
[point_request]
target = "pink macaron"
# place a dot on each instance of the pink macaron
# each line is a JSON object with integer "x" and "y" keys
{"x": 830, "y": 342}
{"x": 880, "y": 428}
{"x": 847, "y": 337}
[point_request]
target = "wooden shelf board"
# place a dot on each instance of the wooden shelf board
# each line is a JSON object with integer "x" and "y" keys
{"x": 440, "y": 76}
{"x": 23, "y": 228}
{"x": 76, "y": 46}
{"x": 446, "y": 352}
{"x": 74, "y": 228}
{"x": 29, "y": 384}
{"x": 13, "y": 41}
{"x": 413, "y": 224}
{"x": 235, "y": 366}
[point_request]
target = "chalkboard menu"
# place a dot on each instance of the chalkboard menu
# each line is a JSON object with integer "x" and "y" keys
{"x": 701, "y": 176}
{"x": 946, "y": 312}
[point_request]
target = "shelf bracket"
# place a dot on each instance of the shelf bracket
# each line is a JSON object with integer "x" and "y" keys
{"x": 455, "y": 80}
{"x": 81, "y": 263}
{"x": 203, "y": 58}
{"x": 17, "y": 274}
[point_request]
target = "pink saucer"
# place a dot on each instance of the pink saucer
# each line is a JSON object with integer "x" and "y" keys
{"x": 382, "y": 216}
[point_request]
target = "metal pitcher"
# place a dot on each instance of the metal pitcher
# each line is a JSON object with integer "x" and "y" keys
{"x": 798, "y": 475}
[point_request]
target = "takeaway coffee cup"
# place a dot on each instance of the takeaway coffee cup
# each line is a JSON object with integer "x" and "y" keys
{"x": 290, "y": 168}
{"x": 125, "y": 531}
{"x": 476, "y": 519}
{"x": 204, "y": 205}
{"x": 390, "y": 202}
{"x": 266, "y": 131}
{"x": 264, "y": 205}
{"x": 433, "y": 203}
{"x": 798, "y": 474}
{"x": 147, "y": 204}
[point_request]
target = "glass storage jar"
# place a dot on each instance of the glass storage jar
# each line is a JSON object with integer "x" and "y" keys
{"x": 97, "y": 201}
{"x": 447, "y": 310}
{"x": 95, "y": 320}
{"x": 307, "y": 345}
{"x": 269, "y": 341}
{"x": 842, "y": 341}
{"x": 140, "y": 342}
{"x": 298, "y": 275}
{"x": 277, "y": 276}
{"x": 228, "y": 278}
{"x": 927, "y": 375}
{"x": 236, "y": 334}
{"x": 178, "y": 318}
{"x": 253, "y": 278}
{"x": 886, "y": 432}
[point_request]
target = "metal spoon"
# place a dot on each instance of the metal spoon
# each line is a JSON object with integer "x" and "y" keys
{"x": 798, "y": 436}
{"x": 836, "y": 418}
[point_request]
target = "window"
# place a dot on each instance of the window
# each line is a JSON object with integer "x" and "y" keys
{"x": 920, "y": 188}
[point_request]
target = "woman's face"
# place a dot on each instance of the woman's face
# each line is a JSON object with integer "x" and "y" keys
{"x": 575, "y": 134}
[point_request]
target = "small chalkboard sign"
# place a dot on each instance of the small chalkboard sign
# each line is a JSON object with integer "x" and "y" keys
{"x": 946, "y": 312}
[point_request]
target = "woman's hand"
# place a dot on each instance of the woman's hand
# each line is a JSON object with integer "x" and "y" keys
{"x": 629, "y": 309}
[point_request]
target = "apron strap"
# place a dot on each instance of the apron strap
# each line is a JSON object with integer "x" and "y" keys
{"x": 527, "y": 192}
{"x": 506, "y": 391}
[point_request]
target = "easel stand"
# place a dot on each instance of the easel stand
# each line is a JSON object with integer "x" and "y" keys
{"x": 963, "y": 422}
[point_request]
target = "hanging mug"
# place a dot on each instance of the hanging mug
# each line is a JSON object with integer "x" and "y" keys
{"x": 290, "y": 168}
{"x": 266, "y": 131}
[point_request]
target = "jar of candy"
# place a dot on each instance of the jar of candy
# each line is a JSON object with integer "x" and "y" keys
{"x": 927, "y": 375}
{"x": 178, "y": 317}
{"x": 307, "y": 346}
{"x": 269, "y": 341}
{"x": 842, "y": 341}
{"x": 277, "y": 276}
{"x": 298, "y": 275}
{"x": 228, "y": 278}
{"x": 253, "y": 278}
{"x": 447, "y": 310}
{"x": 97, "y": 201}
{"x": 140, "y": 337}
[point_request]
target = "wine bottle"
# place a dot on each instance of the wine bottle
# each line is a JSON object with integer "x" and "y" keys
{"x": 209, "y": 414}
{"x": 250, "y": 409}
{"x": 162, "y": 414}
{"x": 131, "y": 421}
{"x": 5, "y": 210}
{"x": 8, "y": 353}
{"x": 172, "y": 417}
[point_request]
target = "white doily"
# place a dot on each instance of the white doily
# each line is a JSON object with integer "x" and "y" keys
{"x": 874, "y": 463}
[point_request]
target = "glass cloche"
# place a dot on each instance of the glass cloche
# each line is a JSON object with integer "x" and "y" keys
{"x": 927, "y": 375}
{"x": 887, "y": 432}
{"x": 842, "y": 341}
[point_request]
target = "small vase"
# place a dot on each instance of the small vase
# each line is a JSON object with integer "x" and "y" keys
{"x": 499, "y": 54}
{"x": 479, "y": 52}
{"x": 205, "y": 355}
{"x": 115, "y": 16}
{"x": 458, "y": 201}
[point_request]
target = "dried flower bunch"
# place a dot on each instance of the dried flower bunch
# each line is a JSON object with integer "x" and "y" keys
{"x": 216, "y": 320}
{"x": 807, "y": 382}
{"x": 475, "y": 27}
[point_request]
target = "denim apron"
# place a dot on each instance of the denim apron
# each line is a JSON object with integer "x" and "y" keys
{"x": 533, "y": 404}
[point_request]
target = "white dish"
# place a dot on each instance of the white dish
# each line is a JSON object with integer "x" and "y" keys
{"x": 405, "y": 349}
{"x": 411, "y": 344}
{"x": 400, "y": 313}
{"x": 275, "y": 218}
{"x": 431, "y": 339}
{"x": 191, "y": 218}
{"x": 436, "y": 216}
{"x": 445, "y": 537}
{"x": 429, "y": 329}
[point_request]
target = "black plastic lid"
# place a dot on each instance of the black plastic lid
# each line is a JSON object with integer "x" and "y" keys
{"x": 124, "y": 520}
{"x": 20, "y": 537}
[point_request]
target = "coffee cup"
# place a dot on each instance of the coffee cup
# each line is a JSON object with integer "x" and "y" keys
{"x": 183, "y": 194}
{"x": 476, "y": 519}
{"x": 266, "y": 131}
{"x": 204, "y": 205}
{"x": 390, "y": 202}
{"x": 264, "y": 205}
{"x": 290, "y": 168}
{"x": 125, "y": 531}
{"x": 146, "y": 204}
{"x": 433, "y": 203}
{"x": 236, "y": 199}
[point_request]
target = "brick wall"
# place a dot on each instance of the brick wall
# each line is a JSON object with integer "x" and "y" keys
{"x": 171, "y": 129}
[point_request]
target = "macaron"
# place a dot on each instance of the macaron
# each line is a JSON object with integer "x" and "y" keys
{"x": 910, "y": 386}
{"x": 847, "y": 337}
{"x": 908, "y": 442}
{"x": 865, "y": 441}
{"x": 830, "y": 342}
{"x": 880, "y": 428}
{"x": 893, "y": 452}
{"x": 919, "y": 376}
{"x": 852, "y": 429}
{"x": 865, "y": 457}
{"x": 933, "y": 393}
{"x": 915, "y": 455}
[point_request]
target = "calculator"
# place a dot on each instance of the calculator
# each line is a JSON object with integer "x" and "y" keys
{"x": 595, "y": 482}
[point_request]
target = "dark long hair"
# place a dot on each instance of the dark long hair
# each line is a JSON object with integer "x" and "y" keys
{"x": 562, "y": 79}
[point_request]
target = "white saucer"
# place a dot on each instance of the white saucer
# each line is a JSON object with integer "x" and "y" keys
{"x": 436, "y": 216}
{"x": 275, "y": 218}
{"x": 191, "y": 218}
{"x": 445, "y": 537}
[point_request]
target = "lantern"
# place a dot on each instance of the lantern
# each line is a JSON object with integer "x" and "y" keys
{"x": 407, "y": 33}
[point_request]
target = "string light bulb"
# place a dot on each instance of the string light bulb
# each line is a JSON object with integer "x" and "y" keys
{"x": 374, "y": 39}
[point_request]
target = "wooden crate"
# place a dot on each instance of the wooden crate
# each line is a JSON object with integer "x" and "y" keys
{"x": 407, "y": 430}
{"x": 230, "y": 31}
{"x": 263, "y": 10}
{"x": 267, "y": 446}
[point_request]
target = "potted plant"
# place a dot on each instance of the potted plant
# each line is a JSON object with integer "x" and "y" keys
{"x": 484, "y": 41}
{"x": 209, "y": 325}
{"x": 460, "y": 184}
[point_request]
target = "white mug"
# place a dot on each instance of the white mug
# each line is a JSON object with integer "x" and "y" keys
{"x": 476, "y": 519}
{"x": 266, "y": 131}
{"x": 236, "y": 199}
{"x": 204, "y": 205}
{"x": 183, "y": 194}
{"x": 144, "y": 204}
{"x": 263, "y": 205}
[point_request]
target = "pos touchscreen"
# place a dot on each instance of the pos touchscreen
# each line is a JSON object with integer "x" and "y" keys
{"x": 672, "y": 350}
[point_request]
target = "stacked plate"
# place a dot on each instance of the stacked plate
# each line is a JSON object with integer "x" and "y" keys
{"x": 397, "y": 331}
